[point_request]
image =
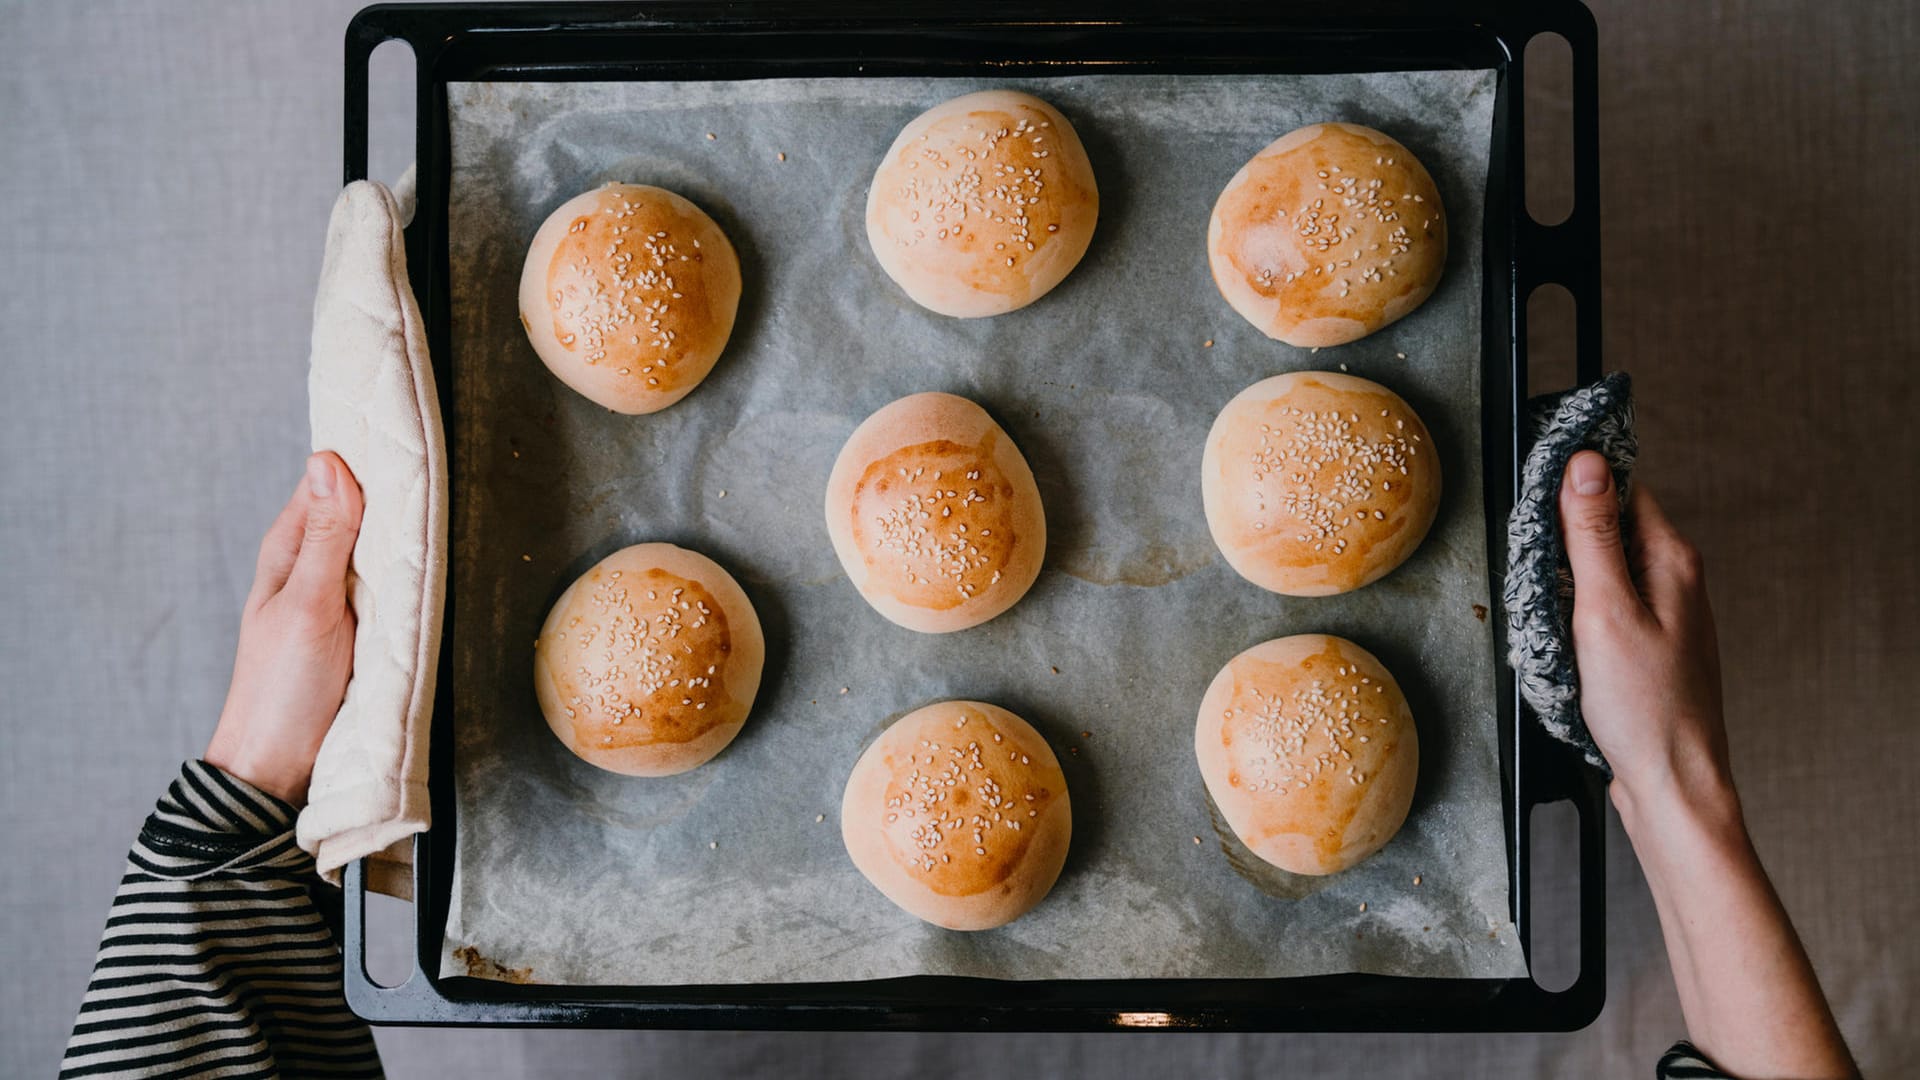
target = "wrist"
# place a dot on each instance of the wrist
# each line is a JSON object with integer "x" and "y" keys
{"x": 266, "y": 770}
{"x": 1682, "y": 807}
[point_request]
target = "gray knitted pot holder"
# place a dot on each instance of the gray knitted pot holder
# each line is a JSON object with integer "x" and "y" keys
{"x": 1539, "y": 587}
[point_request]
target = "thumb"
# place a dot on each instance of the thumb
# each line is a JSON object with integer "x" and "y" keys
{"x": 332, "y": 526}
{"x": 1590, "y": 524}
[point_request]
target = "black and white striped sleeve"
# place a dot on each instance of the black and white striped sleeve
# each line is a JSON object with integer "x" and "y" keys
{"x": 1684, "y": 1061}
{"x": 216, "y": 960}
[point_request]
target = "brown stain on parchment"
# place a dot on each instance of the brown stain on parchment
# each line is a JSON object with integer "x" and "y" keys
{"x": 483, "y": 967}
{"x": 1153, "y": 565}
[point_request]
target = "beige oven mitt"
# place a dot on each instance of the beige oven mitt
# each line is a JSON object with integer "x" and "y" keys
{"x": 373, "y": 402}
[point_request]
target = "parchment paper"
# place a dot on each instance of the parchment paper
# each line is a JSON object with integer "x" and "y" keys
{"x": 735, "y": 872}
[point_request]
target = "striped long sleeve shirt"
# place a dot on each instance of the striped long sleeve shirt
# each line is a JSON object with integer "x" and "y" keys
{"x": 217, "y": 959}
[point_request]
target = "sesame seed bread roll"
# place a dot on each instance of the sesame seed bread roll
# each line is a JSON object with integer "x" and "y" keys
{"x": 959, "y": 814}
{"x": 934, "y": 514}
{"x": 628, "y": 295}
{"x": 1308, "y": 749}
{"x": 649, "y": 662}
{"x": 1327, "y": 235}
{"x": 982, "y": 204}
{"x": 1316, "y": 483}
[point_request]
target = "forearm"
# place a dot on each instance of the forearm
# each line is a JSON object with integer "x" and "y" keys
{"x": 1748, "y": 991}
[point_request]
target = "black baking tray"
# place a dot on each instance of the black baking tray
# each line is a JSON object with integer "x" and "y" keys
{"x": 681, "y": 40}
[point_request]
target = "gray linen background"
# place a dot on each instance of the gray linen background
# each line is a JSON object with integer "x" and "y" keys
{"x": 165, "y": 176}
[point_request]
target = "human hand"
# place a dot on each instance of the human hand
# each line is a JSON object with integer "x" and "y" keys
{"x": 1650, "y": 693}
{"x": 296, "y": 638}
{"x": 1644, "y": 641}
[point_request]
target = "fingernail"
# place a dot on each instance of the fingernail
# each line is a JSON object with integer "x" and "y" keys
{"x": 1589, "y": 473}
{"x": 319, "y": 476}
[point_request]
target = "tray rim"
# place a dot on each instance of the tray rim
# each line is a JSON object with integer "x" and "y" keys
{"x": 525, "y": 41}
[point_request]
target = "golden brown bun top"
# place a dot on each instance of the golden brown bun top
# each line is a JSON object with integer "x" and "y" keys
{"x": 642, "y": 650}
{"x": 982, "y": 204}
{"x": 936, "y": 520}
{"x": 1310, "y": 751}
{"x": 638, "y": 289}
{"x": 1328, "y": 234}
{"x": 965, "y": 790}
{"x": 1317, "y": 482}
{"x": 932, "y": 508}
